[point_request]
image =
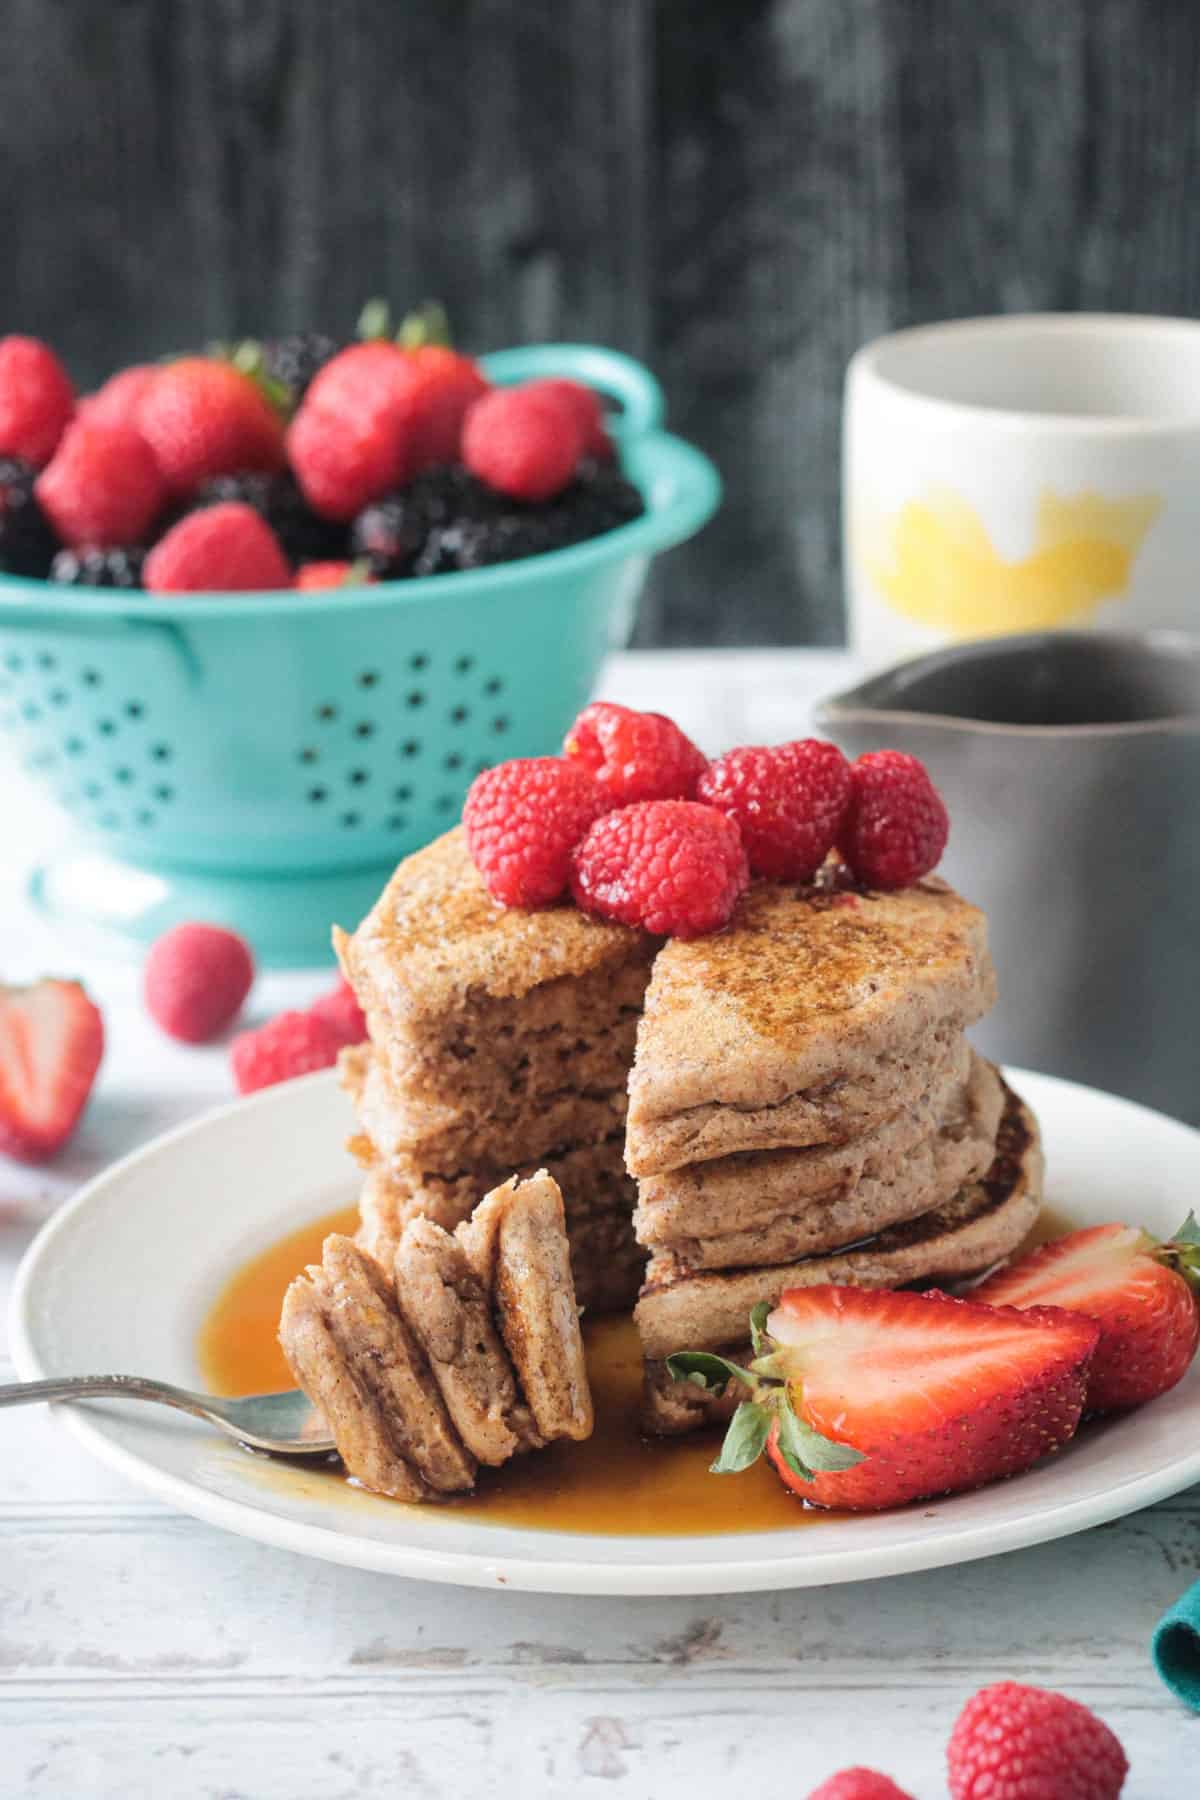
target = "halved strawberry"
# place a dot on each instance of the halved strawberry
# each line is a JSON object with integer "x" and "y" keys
{"x": 1138, "y": 1291}
{"x": 865, "y": 1399}
{"x": 51, "y": 1042}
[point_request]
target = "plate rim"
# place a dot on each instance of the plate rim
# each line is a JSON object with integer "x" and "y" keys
{"x": 525, "y": 1573}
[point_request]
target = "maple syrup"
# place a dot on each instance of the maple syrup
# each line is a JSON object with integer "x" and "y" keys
{"x": 616, "y": 1482}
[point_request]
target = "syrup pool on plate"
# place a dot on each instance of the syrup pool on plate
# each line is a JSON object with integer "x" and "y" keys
{"x": 616, "y": 1482}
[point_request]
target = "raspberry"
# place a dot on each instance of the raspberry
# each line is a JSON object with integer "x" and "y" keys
{"x": 789, "y": 803}
{"x": 896, "y": 825}
{"x": 195, "y": 980}
{"x": 118, "y": 401}
{"x": 672, "y": 866}
{"x": 523, "y": 442}
{"x": 202, "y": 417}
{"x": 313, "y": 575}
{"x": 859, "y": 1784}
{"x": 586, "y": 408}
{"x": 292, "y": 1043}
{"x": 36, "y": 399}
{"x": 102, "y": 486}
{"x": 219, "y": 549}
{"x": 522, "y": 821}
{"x": 340, "y": 1009}
{"x": 1013, "y": 1742}
{"x": 634, "y": 755}
{"x": 352, "y": 438}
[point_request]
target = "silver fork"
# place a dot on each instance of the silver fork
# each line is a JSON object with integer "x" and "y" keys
{"x": 282, "y": 1424}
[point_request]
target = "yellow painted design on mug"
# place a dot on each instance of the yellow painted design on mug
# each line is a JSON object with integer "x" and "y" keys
{"x": 935, "y": 563}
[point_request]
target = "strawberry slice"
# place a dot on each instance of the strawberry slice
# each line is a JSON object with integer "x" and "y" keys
{"x": 867, "y": 1399}
{"x": 1138, "y": 1291}
{"x": 51, "y": 1042}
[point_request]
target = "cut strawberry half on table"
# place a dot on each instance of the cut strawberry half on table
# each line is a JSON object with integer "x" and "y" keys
{"x": 867, "y": 1399}
{"x": 51, "y": 1042}
{"x": 1139, "y": 1292}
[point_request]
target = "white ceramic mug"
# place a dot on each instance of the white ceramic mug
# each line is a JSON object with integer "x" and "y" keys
{"x": 1021, "y": 473}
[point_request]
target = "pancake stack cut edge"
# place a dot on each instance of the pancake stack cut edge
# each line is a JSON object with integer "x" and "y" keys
{"x": 500, "y": 1042}
{"x": 794, "y": 1098}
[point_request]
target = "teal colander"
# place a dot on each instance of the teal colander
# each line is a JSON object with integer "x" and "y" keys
{"x": 263, "y": 760}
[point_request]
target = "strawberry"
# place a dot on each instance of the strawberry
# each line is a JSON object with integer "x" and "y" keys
{"x": 102, "y": 486}
{"x": 1138, "y": 1291}
{"x": 36, "y": 399}
{"x": 51, "y": 1042}
{"x": 443, "y": 386}
{"x": 867, "y": 1398}
{"x": 202, "y": 417}
{"x": 116, "y": 401}
{"x": 352, "y": 438}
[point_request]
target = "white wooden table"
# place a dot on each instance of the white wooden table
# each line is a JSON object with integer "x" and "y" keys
{"x": 144, "y": 1654}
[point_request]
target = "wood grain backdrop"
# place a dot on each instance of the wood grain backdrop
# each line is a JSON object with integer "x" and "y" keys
{"x": 740, "y": 190}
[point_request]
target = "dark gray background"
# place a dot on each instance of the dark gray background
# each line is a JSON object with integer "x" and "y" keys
{"x": 741, "y": 191}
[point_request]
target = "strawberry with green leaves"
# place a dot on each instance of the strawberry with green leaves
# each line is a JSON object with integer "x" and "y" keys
{"x": 867, "y": 1399}
{"x": 1142, "y": 1294}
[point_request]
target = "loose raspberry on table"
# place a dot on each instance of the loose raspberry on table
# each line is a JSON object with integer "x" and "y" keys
{"x": 1013, "y": 1742}
{"x": 788, "y": 801}
{"x": 859, "y": 1784}
{"x": 292, "y": 1043}
{"x": 522, "y": 821}
{"x": 102, "y": 486}
{"x": 36, "y": 399}
{"x": 673, "y": 867}
{"x": 635, "y": 755}
{"x": 896, "y": 825}
{"x": 523, "y": 442}
{"x": 340, "y": 1009}
{"x": 196, "y": 979}
{"x": 225, "y": 548}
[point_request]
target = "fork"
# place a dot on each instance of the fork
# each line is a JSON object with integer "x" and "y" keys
{"x": 284, "y": 1424}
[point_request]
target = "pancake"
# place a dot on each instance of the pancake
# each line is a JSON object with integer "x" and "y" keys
{"x": 741, "y": 1211}
{"x": 986, "y": 1221}
{"x": 811, "y": 1018}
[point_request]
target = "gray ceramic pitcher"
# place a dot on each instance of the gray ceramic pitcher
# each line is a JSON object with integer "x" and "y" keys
{"x": 1071, "y": 767}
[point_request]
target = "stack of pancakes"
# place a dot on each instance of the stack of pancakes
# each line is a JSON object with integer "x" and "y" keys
{"x": 500, "y": 1041}
{"x": 794, "y": 1095}
{"x": 804, "y": 1107}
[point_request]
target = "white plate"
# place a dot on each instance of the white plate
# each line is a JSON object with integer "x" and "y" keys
{"x": 123, "y": 1276}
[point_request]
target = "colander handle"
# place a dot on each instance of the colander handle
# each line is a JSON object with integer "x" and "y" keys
{"x": 102, "y": 629}
{"x": 642, "y": 402}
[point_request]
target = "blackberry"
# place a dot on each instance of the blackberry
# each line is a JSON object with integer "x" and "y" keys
{"x": 119, "y": 568}
{"x": 509, "y": 536}
{"x": 27, "y": 540}
{"x": 304, "y": 535}
{"x": 394, "y": 533}
{"x": 598, "y": 500}
{"x": 294, "y": 360}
